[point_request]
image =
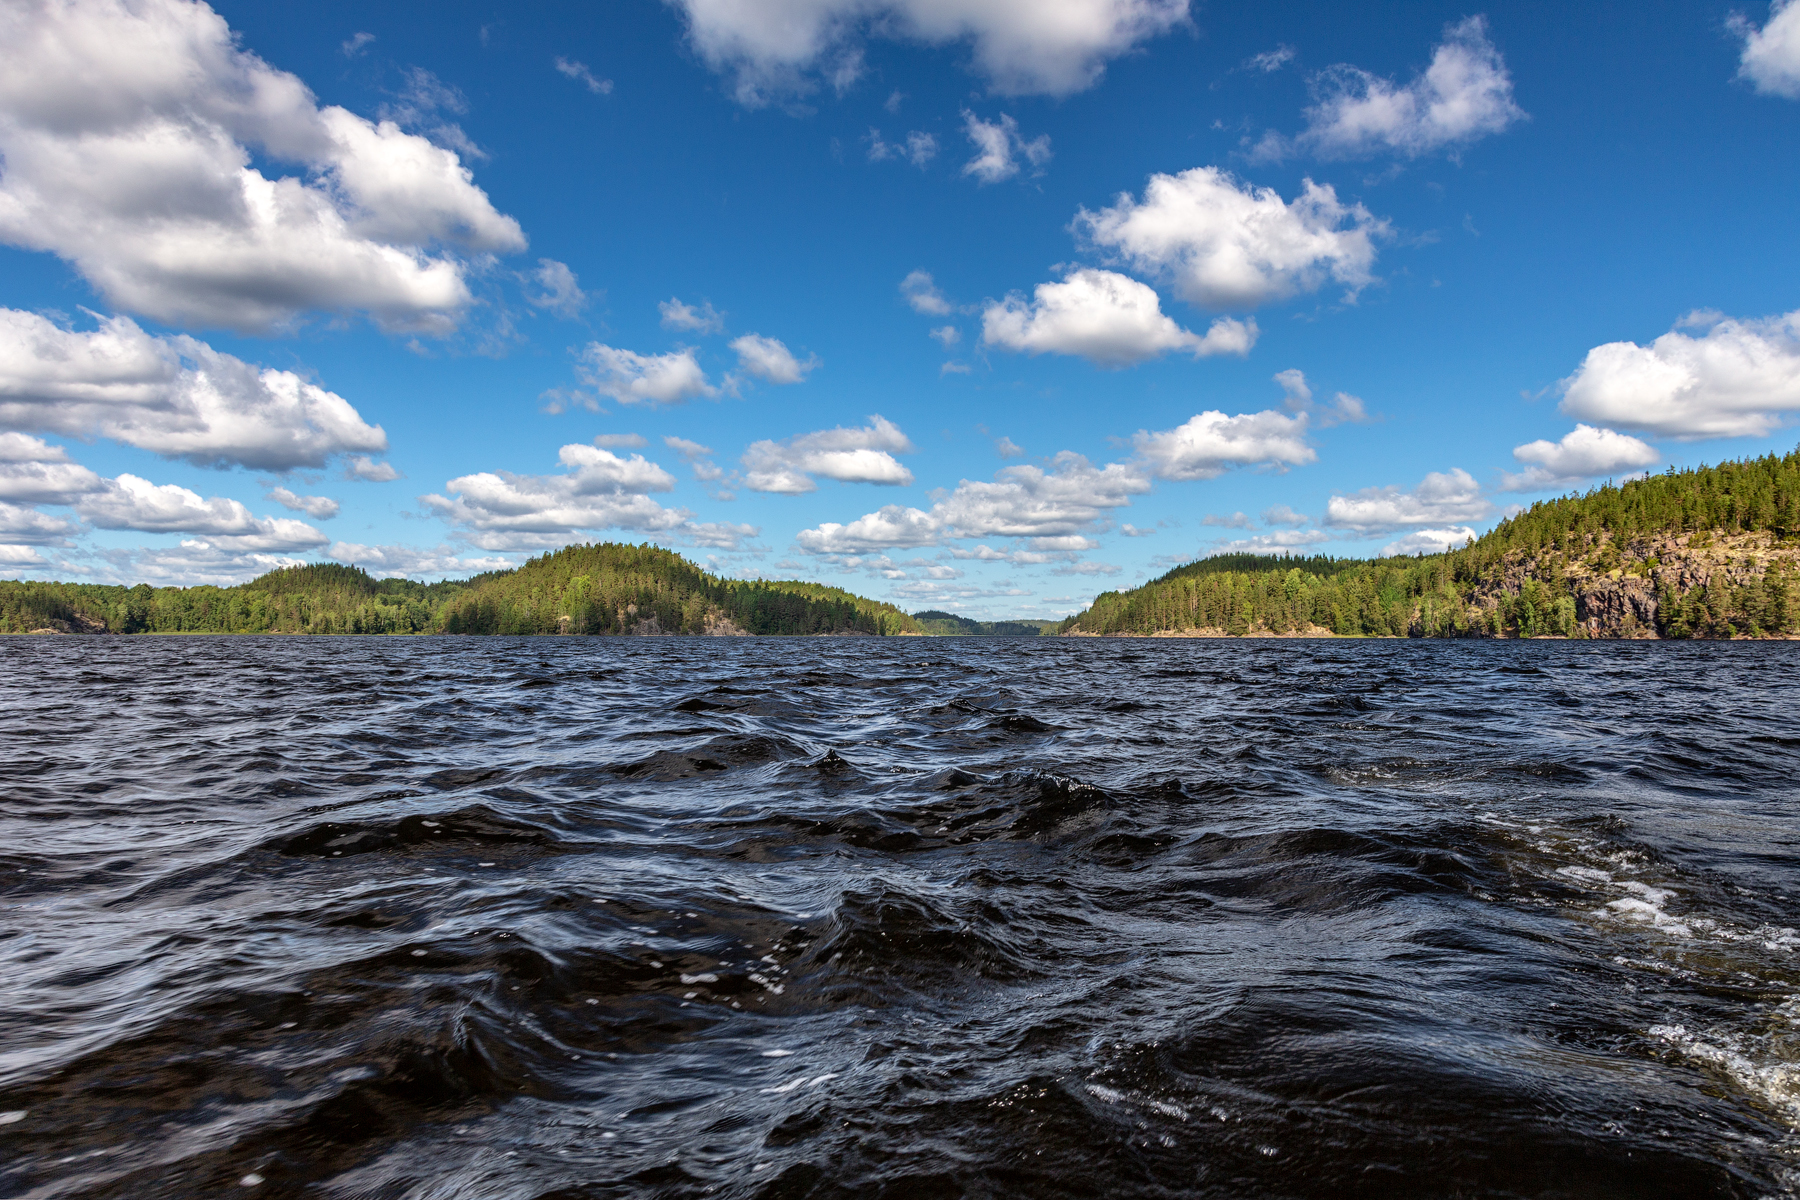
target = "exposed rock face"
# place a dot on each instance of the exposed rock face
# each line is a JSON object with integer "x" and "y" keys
{"x": 720, "y": 625}
{"x": 1617, "y": 608}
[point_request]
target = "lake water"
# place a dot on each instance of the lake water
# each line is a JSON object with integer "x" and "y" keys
{"x": 568, "y": 918}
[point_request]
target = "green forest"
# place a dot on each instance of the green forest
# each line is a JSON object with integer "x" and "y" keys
{"x": 1707, "y": 552}
{"x": 592, "y": 589}
{"x": 943, "y": 624}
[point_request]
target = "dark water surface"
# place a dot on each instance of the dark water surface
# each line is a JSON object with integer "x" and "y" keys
{"x": 560, "y": 918}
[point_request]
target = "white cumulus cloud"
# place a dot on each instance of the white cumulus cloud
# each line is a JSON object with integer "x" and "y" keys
{"x": 319, "y": 508}
{"x": 1070, "y": 498}
{"x": 857, "y": 455}
{"x": 1441, "y": 497}
{"x": 578, "y": 71}
{"x": 129, "y": 131}
{"x": 768, "y": 359}
{"x": 921, "y": 291}
{"x": 174, "y": 396}
{"x": 402, "y": 562}
{"x": 501, "y": 511}
{"x": 34, "y": 472}
{"x": 1211, "y": 443}
{"x": 1225, "y": 244}
{"x": 704, "y": 319}
{"x": 773, "y": 48}
{"x": 1465, "y": 94}
{"x": 1431, "y": 541}
{"x": 999, "y": 147}
{"x": 557, "y": 288}
{"x": 1771, "y": 57}
{"x": 1739, "y": 378}
{"x": 1105, "y": 317}
{"x": 633, "y": 378}
{"x": 131, "y": 502}
{"x": 1584, "y": 453}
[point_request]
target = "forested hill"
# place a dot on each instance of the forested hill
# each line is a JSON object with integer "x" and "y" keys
{"x": 945, "y": 624}
{"x": 607, "y": 588}
{"x": 1710, "y": 552}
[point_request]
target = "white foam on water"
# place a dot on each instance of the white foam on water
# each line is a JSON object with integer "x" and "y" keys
{"x": 776, "y": 1053}
{"x": 1645, "y": 906}
{"x": 1776, "y": 1083}
{"x": 12, "y": 1118}
{"x": 250, "y": 1180}
{"x": 418, "y": 954}
{"x": 1586, "y": 874}
{"x": 1105, "y": 1093}
{"x": 709, "y": 977}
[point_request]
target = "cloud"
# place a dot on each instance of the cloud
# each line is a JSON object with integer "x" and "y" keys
{"x": 319, "y": 508}
{"x": 1227, "y": 245}
{"x": 699, "y": 460}
{"x": 1344, "y": 408}
{"x": 22, "y": 525}
{"x": 34, "y": 472}
{"x": 1741, "y": 378}
{"x": 769, "y": 360}
{"x": 1107, "y": 318}
{"x": 560, "y": 293}
{"x": 130, "y": 132}
{"x": 632, "y": 378}
{"x": 1281, "y": 514}
{"x": 402, "y": 562}
{"x": 1584, "y": 453}
{"x": 1271, "y": 60}
{"x": 498, "y": 510}
{"x": 1440, "y": 498}
{"x": 1071, "y": 497}
{"x": 362, "y": 467}
{"x": 130, "y": 502}
{"x": 174, "y": 396}
{"x": 1771, "y": 58}
{"x": 1430, "y": 541}
{"x": 1236, "y": 520}
{"x": 705, "y": 319}
{"x": 947, "y": 335}
{"x": 356, "y": 44}
{"x": 922, "y": 293}
{"x": 996, "y": 143}
{"x": 1211, "y": 443}
{"x": 890, "y": 527}
{"x": 1005, "y": 447}
{"x": 1087, "y": 568}
{"x": 1279, "y": 542}
{"x": 580, "y": 74}
{"x": 1465, "y": 94}
{"x": 776, "y": 48}
{"x": 860, "y": 455}
{"x": 17, "y": 558}
{"x": 918, "y": 149}
{"x": 615, "y": 441}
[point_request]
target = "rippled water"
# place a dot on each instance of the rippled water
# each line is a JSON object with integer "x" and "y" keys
{"x": 567, "y": 918}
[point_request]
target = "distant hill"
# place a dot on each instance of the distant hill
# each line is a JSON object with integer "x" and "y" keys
{"x": 1710, "y": 552}
{"x": 588, "y": 589}
{"x": 946, "y": 624}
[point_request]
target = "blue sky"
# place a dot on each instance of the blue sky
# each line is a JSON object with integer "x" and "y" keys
{"x": 986, "y": 305}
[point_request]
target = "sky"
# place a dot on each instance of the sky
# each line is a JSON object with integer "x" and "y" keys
{"x": 978, "y": 305}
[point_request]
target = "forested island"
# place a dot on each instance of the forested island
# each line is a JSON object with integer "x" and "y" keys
{"x": 1710, "y": 552}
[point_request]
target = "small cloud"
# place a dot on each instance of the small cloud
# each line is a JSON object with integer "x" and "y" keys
{"x": 955, "y": 368}
{"x": 1005, "y": 447}
{"x": 1281, "y": 514}
{"x": 361, "y": 466}
{"x": 355, "y": 45}
{"x": 705, "y": 319}
{"x": 1133, "y": 531}
{"x": 319, "y": 508}
{"x": 560, "y": 291}
{"x": 998, "y": 148}
{"x": 947, "y": 335}
{"x": 1236, "y": 520}
{"x": 768, "y": 359}
{"x": 921, "y": 291}
{"x": 616, "y": 441}
{"x": 1270, "y": 60}
{"x": 921, "y": 148}
{"x": 580, "y": 74}
{"x": 892, "y": 103}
